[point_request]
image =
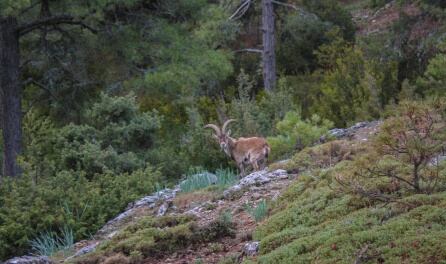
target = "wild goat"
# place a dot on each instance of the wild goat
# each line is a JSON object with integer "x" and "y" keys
{"x": 244, "y": 151}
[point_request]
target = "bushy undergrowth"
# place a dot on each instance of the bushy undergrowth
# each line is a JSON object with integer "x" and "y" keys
{"x": 403, "y": 155}
{"x": 77, "y": 176}
{"x": 154, "y": 237}
{"x": 316, "y": 223}
{"x": 380, "y": 217}
{"x": 295, "y": 134}
{"x": 66, "y": 199}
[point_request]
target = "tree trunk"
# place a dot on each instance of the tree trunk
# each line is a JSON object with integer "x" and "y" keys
{"x": 11, "y": 91}
{"x": 269, "y": 53}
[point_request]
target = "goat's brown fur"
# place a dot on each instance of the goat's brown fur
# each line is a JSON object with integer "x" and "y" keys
{"x": 252, "y": 151}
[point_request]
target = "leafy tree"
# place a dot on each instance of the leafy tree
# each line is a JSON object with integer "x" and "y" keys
{"x": 115, "y": 140}
{"x": 332, "y": 11}
{"x": 344, "y": 96}
{"x": 299, "y": 36}
{"x": 433, "y": 81}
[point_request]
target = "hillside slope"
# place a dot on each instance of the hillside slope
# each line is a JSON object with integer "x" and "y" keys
{"x": 168, "y": 227}
{"x": 311, "y": 208}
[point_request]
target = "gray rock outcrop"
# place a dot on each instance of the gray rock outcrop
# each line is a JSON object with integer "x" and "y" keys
{"x": 29, "y": 260}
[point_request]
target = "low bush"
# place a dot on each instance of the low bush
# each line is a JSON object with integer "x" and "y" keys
{"x": 403, "y": 157}
{"x": 325, "y": 155}
{"x": 293, "y": 134}
{"x": 67, "y": 199}
{"x": 375, "y": 212}
{"x": 153, "y": 237}
{"x": 313, "y": 220}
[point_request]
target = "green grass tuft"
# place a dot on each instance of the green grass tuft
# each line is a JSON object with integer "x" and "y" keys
{"x": 259, "y": 212}
{"x": 48, "y": 243}
{"x": 201, "y": 179}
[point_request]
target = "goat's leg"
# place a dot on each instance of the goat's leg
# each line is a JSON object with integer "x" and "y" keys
{"x": 263, "y": 164}
{"x": 242, "y": 169}
{"x": 255, "y": 165}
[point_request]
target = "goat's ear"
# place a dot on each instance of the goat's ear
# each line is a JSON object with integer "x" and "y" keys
{"x": 215, "y": 136}
{"x": 228, "y": 133}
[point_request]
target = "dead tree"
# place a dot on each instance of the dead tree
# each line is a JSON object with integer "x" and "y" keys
{"x": 268, "y": 50}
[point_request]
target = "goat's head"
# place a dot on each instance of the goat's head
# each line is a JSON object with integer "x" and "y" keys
{"x": 222, "y": 135}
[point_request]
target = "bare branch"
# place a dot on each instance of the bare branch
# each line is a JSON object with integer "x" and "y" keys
{"x": 39, "y": 85}
{"x": 25, "y": 10}
{"x": 249, "y": 50}
{"x": 241, "y": 10}
{"x": 54, "y": 20}
{"x": 287, "y": 5}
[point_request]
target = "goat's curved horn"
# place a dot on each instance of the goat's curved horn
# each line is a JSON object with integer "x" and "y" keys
{"x": 214, "y": 127}
{"x": 225, "y": 125}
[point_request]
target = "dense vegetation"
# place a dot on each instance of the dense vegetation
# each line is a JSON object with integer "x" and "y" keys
{"x": 378, "y": 201}
{"x": 114, "y": 101}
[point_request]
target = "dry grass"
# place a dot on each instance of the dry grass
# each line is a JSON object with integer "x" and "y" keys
{"x": 322, "y": 156}
{"x": 185, "y": 200}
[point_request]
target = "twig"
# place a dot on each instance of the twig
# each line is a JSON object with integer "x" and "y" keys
{"x": 241, "y": 10}
{"x": 29, "y": 8}
{"x": 286, "y": 4}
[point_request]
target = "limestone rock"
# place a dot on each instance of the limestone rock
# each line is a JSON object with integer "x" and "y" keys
{"x": 256, "y": 178}
{"x": 251, "y": 248}
{"x": 30, "y": 260}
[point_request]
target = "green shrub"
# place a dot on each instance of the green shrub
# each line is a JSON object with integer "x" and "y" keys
{"x": 325, "y": 155}
{"x": 257, "y": 116}
{"x": 334, "y": 12}
{"x": 378, "y": 3}
{"x": 225, "y": 177}
{"x": 300, "y": 35}
{"x": 152, "y": 237}
{"x": 232, "y": 259}
{"x": 295, "y": 133}
{"x": 313, "y": 220}
{"x": 316, "y": 218}
{"x": 403, "y": 153}
{"x": 115, "y": 140}
{"x": 433, "y": 81}
{"x": 346, "y": 95}
{"x": 28, "y": 207}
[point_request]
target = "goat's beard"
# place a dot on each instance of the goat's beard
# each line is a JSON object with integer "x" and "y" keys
{"x": 225, "y": 148}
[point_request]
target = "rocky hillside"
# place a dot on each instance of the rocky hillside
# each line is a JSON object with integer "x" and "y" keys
{"x": 210, "y": 225}
{"x": 351, "y": 198}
